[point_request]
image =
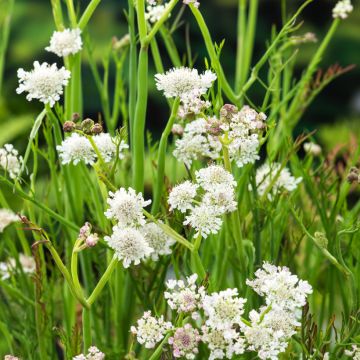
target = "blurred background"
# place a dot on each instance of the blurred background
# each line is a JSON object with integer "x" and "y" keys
{"x": 335, "y": 113}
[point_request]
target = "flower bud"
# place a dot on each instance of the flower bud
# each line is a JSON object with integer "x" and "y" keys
{"x": 87, "y": 125}
{"x": 75, "y": 116}
{"x": 97, "y": 129}
{"x": 92, "y": 240}
{"x": 177, "y": 129}
{"x": 213, "y": 126}
{"x": 69, "y": 126}
{"x": 227, "y": 112}
{"x": 85, "y": 231}
{"x": 353, "y": 175}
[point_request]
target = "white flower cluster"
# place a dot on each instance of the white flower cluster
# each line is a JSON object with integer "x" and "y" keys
{"x": 65, "y": 43}
{"x": 155, "y": 10}
{"x": 188, "y": 85}
{"x": 201, "y": 138}
{"x": 194, "y": 2}
{"x": 185, "y": 297}
{"x": 133, "y": 239}
{"x": 354, "y": 352}
{"x": 10, "y": 160}
{"x": 219, "y": 322}
{"x": 312, "y": 148}
{"x": 77, "y": 148}
{"x": 44, "y": 83}
{"x": 93, "y": 354}
{"x": 7, "y": 268}
{"x": 218, "y": 198}
{"x": 197, "y": 143}
{"x": 6, "y": 218}
{"x": 150, "y": 330}
{"x": 342, "y": 9}
{"x": 280, "y": 179}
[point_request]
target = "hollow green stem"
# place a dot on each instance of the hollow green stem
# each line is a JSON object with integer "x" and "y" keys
{"x": 86, "y": 323}
{"x": 161, "y": 157}
{"x": 88, "y": 13}
{"x": 103, "y": 281}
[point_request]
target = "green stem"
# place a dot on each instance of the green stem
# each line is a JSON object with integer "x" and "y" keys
{"x": 196, "y": 260}
{"x": 86, "y": 322}
{"x": 241, "y": 29}
{"x": 102, "y": 282}
{"x": 74, "y": 267}
{"x": 213, "y": 56}
{"x": 157, "y": 353}
{"x": 139, "y": 122}
{"x": 161, "y": 157}
{"x": 71, "y": 12}
{"x": 88, "y": 13}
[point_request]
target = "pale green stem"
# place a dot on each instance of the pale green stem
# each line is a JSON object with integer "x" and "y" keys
{"x": 102, "y": 282}
{"x": 161, "y": 157}
{"x": 88, "y": 13}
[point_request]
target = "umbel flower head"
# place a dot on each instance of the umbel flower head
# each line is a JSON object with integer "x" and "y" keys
{"x": 129, "y": 245}
{"x": 150, "y": 330}
{"x": 185, "y": 342}
{"x": 10, "y": 160}
{"x": 93, "y": 354}
{"x": 155, "y": 10}
{"x": 179, "y": 82}
{"x": 66, "y": 42}
{"x": 126, "y": 207}
{"x": 194, "y": 2}
{"x": 44, "y": 83}
{"x": 6, "y": 218}
{"x": 342, "y": 9}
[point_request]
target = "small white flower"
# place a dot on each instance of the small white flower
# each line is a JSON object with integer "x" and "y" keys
{"x": 186, "y": 296}
{"x": 223, "y": 309}
{"x": 27, "y": 264}
{"x": 129, "y": 245}
{"x": 312, "y": 148}
{"x": 221, "y": 198}
{"x": 280, "y": 287}
{"x": 44, "y": 83}
{"x": 66, "y": 42}
{"x": 76, "y": 148}
{"x": 10, "y": 160}
{"x": 194, "y": 2}
{"x": 108, "y": 146}
{"x": 185, "y": 342}
{"x": 93, "y": 354}
{"x": 178, "y": 82}
{"x": 204, "y": 219}
{"x": 213, "y": 176}
{"x": 6, "y": 218}
{"x": 126, "y": 207}
{"x": 270, "y": 331}
{"x": 222, "y": 343}
{"x": 157, "y": 239}
{"x": 265, "y": 175}
{"x": 150, "y": 330}
{"x": 154, "y": 11}
{"x": 182, "y": 196}
{"x": 354, "y": 352}
{"x": 342, "y": 9}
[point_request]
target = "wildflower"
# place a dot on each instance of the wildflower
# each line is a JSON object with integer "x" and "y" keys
{"x": 6, "y": 218}
{"x": 192, "y": 104}
{"x": 157, "y": 239}
{"x": 76, "y": 148}
{"x": 126, "y": 207}
{"x": 182, "y": 196}
{"x": 354, "y": 352}
{"x": 279, "y": 287}
{"x": 312, "y": 148}
{"x": 185, "y": 296}
{"x": 108, "y": 148}
{"x": 45, "y": 82}
{"x": 194, "y": 2}
{"x": 284, "y": 181}
{"x": 221, "y": 199}
{"x": 213, "y": 176}
{"x": 93, "y": 354}
{"x": 185, "y": 342}
{"x": 154, "y": 11}
{"x": 150, "y": 330}
{"x": 179, "y": 82}
{"x": 129, "y": 245}
{"x": 223, "y": 309}
{"x": 27, "y": 264}
{"x": 10, "y": 160}
{"x": 196, "y": 143}
{"x": 204, "y": 219}
{"x": 11, "y": 357}
{"x": 222, "y": 343}
{"x": 66, "y": 42}
{"x": 342, "y": 9}
{"x": 269, "y": 332}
